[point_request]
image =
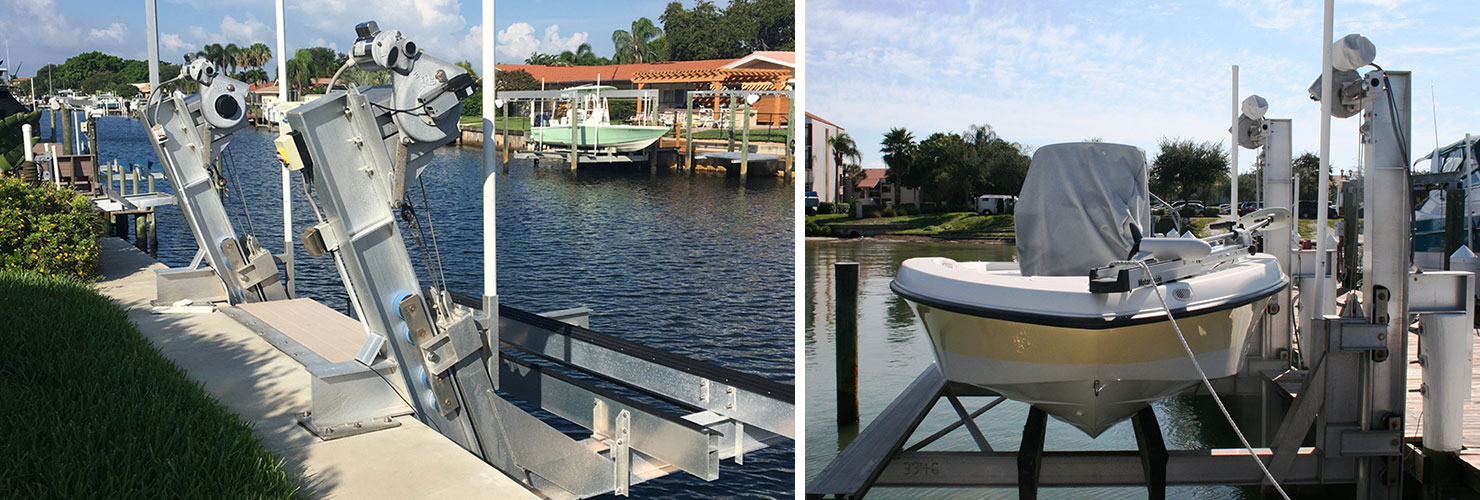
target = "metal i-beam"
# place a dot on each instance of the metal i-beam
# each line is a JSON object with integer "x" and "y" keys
{"x": 1095, "y": 468}
{"x": 750, "y": 399}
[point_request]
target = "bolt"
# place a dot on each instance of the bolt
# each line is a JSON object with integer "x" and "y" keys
{"x": 1382, "y": 337}
{"x": 447, "y": 401}
{"x": 421, "y": 332}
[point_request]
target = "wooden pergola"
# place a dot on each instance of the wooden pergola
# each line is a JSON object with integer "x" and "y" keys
{"x": 719, "y": 79}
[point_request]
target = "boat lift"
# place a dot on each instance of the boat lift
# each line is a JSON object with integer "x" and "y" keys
{"x": 749, "y": 98}
{"x": 468, "y": 367}
{"x": 1333, "y": 415}
{"x": 190, "y": 133}
{"x": 539, "y": 100}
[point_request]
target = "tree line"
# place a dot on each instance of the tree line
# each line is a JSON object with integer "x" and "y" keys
{"x": 703, "y": 32}
{"x": 952, "y": 169}
{"x": 949, "y": 169}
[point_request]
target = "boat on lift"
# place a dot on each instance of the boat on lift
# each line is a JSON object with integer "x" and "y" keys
{"x": 1458, "y": 159}
{"x": 1075, "y": 327}
{"x": 594, "y": 129}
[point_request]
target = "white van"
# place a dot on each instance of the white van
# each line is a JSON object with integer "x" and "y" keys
{"x": 994, "y": 204}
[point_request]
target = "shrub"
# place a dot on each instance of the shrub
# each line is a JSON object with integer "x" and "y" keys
{"x": 1211, "y": 212}
{"x": 825, "y": 207}
{"x": 1189, "y": 210}
{"x": 875, "y": 213}
{"x": 50, "y": 231}
{"x": 843, "y": 208}
{"x": 815, "y": 229}
{"x": 890, "y": 212}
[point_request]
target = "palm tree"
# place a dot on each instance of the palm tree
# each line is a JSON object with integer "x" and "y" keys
{"x": 214, "y": 53}
{"x": 258, "y": 54}
{"x": 844, "y": 148}
{"x": 232, "y": 57}
{"x": 899, "y": 148}
{"x": 636, "y": 46}
{"x": 583, "y": 55}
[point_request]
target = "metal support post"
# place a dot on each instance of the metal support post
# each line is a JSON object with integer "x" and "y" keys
{"x": 1278, "y": 192}
{"x": 1387, "y": 262}
{"x": 1153, "y": 451}
{"x": 1030, "y": 453}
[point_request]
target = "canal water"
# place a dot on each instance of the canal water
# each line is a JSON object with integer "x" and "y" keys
{"x": 698, "y": 265}
{"x": 893, "y": 349}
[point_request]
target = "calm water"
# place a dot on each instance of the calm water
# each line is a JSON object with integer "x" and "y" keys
{"x": 702, "y": 266}
{"x": 893, "y": 349}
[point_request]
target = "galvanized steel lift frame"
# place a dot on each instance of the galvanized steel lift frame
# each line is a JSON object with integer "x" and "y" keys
{"x": 188, "y": 133}
{"x": 451, "y": 355}
{"x": 1350, "y": 400}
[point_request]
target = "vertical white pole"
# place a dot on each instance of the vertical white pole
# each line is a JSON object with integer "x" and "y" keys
{"x": 282, "y": 83}
{"x": 151, "y": 35}
{"x": 26, "y": 131}
{"x": 1324, "y": 179}
{"x": 490, "y": 160}
{"x": 1233, "y": 148}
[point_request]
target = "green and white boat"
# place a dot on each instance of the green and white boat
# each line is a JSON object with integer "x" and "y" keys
{"x": 594, "y": 129}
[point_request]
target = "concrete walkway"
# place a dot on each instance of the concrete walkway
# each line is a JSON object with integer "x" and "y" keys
{"x": 255, "y": 380}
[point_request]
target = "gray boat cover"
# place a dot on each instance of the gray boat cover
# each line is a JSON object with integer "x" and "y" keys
{"x": 1077, "y": 205}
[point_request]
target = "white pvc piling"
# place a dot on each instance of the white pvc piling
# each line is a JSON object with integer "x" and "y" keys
{"x": 282, "y": 60}
{"x": 490, "y": 161}
{"x": 1445, "y": 354}
{"x": 26, "y": 131}
{"x": 1233, "y": 148}
{"x": 1324, "y": 176}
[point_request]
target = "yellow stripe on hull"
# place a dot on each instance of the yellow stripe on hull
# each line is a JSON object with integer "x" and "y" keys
{"x": 1089, "y": 378}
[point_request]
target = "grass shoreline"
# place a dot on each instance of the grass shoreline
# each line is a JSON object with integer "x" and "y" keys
{"x": 95, "y": 411}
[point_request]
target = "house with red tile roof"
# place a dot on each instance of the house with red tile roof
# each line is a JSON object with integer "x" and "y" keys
{"x": 766, "y": 70}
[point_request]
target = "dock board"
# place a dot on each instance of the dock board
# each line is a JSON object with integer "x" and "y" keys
{"x": 333, "y": 336}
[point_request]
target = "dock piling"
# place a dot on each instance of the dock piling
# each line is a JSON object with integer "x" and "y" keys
{"x": 688, "y": 134}
{"x": 847, "y": 342}
{"x": 791, "y": 115}
{"x": 745, "y": 144}
{"x": 730, "y": 145}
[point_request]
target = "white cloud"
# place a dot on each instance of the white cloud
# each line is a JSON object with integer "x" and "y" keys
{"x": 247, "y": 32}
{"x": 114, "y": 33}
{"x": 170, "y": 45}
{"x": 436, "y": 25}
{"x": 518, "y": 41}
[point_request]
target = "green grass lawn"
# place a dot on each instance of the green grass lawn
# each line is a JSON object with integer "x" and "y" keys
{"x": 756, "y": 134}
{"x": 91, "y": 409}
{"x": 940, "y": 225}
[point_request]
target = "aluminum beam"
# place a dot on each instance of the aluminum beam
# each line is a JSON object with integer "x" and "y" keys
{"x": 1094, "y": 468}
{"x": 750, "y": 399}
{"x": 185, "y": 156}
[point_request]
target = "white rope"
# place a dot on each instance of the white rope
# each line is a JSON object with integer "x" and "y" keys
{"x": 1209, "y": 384}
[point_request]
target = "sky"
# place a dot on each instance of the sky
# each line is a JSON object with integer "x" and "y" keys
{"x": 1123, "y": 71}
{"x": 41, "y": 32}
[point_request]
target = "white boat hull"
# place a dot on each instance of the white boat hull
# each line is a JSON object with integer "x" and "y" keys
{"x": 1091, "y": 379}
{"x": 1088, "y": 359}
